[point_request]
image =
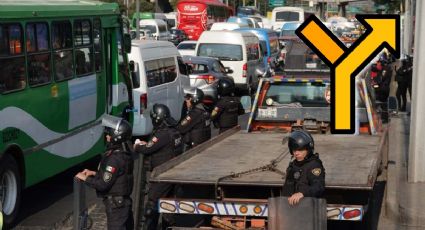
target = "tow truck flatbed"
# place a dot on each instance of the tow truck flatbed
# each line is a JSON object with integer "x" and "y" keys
{"x": 351, "y": 161}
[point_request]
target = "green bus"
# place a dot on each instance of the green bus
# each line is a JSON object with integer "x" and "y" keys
{"x": 63, "y": 64}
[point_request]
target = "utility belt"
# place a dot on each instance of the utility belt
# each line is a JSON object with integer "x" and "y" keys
{"x": 116, "y": 201}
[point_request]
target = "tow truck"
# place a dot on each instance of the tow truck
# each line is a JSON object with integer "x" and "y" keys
{"x": 225, "y": 182}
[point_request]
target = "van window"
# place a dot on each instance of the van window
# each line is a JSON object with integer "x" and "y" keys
{"x": 252, "y": 52}
{"x": 224, "y": 52}
{"x": 160, "y": 71}
{"x": 151, "y": 28}
{"x": 287, "y": 16}
{"x": 162, "y": 28}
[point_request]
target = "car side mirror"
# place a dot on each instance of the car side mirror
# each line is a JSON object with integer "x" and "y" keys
{"x": 127, "y": 43}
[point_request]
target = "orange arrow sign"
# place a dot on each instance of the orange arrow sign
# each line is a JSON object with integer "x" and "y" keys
{"x": 382, "y": 31}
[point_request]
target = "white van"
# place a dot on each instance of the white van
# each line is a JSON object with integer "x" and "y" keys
{"x": 159, "y": 81}
{"x": 281, "y": 15}
{"x": 240, "y": 51}
{"x": 157, "y": 27}
{"x": 227, "y": 26}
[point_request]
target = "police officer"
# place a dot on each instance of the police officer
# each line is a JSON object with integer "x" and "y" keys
{"x": 164, "y": 144}
{"x": 305, "y": 175}
{"x": 225, "y": 113}
{"x": 114, "y": 179}
{"x": 402, "y": 76}
{"x": 195, "y": 126}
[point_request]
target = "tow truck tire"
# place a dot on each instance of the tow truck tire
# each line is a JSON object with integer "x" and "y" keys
{"x": 10, "y": 189}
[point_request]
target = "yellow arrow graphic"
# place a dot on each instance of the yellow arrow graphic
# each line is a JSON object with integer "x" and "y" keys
{"x": 381, "y": 31}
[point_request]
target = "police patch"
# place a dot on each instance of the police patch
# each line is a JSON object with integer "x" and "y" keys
{"x": 107, "y": 176}
{"x": 316, "y": 171}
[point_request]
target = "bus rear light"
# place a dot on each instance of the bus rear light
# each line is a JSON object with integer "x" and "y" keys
{"x": 208, "y": 78}
{"x": 269, "y": 60}
{"x": 352, "y": 214}
{"x": 244, "y": 68}
{"x": 143, "y": 102}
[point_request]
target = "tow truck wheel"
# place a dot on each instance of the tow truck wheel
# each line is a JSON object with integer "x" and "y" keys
{"x": 10, "y": 189}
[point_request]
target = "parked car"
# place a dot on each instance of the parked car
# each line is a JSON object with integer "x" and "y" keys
{"x": 204, "y": 73}
{"x": 187, "y": 47}
{"x": 177, "y": 36}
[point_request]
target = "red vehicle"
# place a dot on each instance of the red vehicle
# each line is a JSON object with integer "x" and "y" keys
{"x": 196, "y": 16}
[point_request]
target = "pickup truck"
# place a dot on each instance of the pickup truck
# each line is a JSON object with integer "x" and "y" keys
{"x": 226, "y": 181}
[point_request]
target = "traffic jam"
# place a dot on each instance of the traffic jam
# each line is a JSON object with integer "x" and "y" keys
{"x": 211, "y": 116}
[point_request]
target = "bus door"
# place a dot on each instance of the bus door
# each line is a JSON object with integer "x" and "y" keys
{"x": 117, "y": 78}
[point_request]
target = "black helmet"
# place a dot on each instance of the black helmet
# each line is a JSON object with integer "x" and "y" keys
{"x": 119, "y": 129}
{"x": 196, "y": 94}
{"x": 159, "y": 114}
{"x": 300, "y": 139}
{"x": 225, "y": 87}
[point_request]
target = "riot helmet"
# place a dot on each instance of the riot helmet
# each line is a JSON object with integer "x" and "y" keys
{"x": 195, "y": 94}
{"x": 300, "y": 139}
{"x": 119, "y": 129}
{"x": 225, "y": 87}
{"x": 159, "y": 114}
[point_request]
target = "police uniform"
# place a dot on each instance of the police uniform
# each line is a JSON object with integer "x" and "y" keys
{"x": 114, "y": 183}
{"x": 402, "y": 86}
{"x": 226, "y": 112}
{"x": 165, "y": 143}
{"x": 306, "y": 177}
{"x": 195, "y": 126}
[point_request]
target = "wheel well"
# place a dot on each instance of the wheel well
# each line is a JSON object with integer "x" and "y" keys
{"x": 18, "y": 155}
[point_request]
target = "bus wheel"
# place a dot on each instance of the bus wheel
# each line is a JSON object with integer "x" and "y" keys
{"x": 10, "y": 189}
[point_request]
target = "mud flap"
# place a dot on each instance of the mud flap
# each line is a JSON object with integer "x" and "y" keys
{"x": 309, "y": 214}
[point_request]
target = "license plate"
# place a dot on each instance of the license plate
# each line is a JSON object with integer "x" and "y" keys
{"x": 267, "y": 113}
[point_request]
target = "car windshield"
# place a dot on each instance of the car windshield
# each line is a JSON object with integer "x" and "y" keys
{"x": 151, "y": 28}
{"x": 175, "y": 31}
{"x": 186, "y": 46}
{"x": 298, "y": 94}
{"x": 224, "y": 52}
{"x": 287, "y": 16}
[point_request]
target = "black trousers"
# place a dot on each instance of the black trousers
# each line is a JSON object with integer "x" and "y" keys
{"x": 401, "y": 95}
{"x": 119, "y": 216}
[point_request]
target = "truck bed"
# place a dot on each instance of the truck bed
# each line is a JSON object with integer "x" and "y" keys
{"x": 351, "y": 162}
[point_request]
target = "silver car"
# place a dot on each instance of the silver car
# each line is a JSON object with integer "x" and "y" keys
{"x": 204, "y": 73}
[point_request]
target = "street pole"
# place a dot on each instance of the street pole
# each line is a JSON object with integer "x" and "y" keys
{"x": 416, "y": 169}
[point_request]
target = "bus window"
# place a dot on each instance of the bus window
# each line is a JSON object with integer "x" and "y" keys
{"x": 83, "y": 48}
{"x": 97, "y": 40}
{"x": 12, "y": 67}
{"x": 62, "y": 50}
{"x": 38, "y": 53}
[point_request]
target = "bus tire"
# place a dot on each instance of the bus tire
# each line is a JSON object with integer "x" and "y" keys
{"x": 10, "y": 189}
